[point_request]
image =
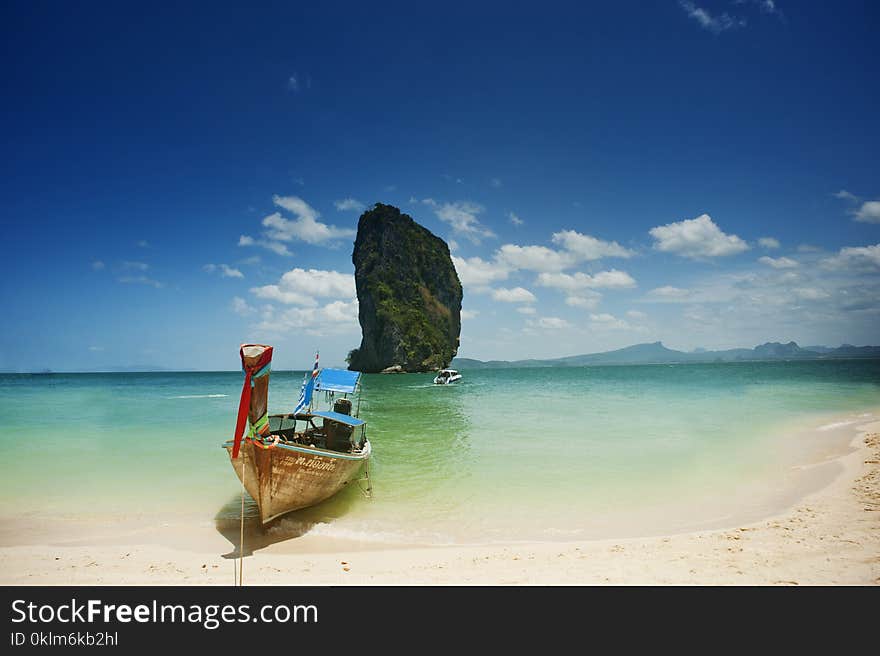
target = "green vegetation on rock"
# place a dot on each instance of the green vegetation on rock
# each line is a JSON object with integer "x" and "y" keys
{"x": 408, "y": 292}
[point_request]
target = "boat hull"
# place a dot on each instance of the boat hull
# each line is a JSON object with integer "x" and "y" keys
{"x": 285, "y": 478}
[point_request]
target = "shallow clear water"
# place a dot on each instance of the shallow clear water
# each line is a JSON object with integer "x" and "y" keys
{"x": 504, "y": 455}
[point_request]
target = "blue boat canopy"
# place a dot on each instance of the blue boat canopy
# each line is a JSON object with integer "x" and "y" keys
{"x": 341, "y": 418}
{"x": 337, "y": 380}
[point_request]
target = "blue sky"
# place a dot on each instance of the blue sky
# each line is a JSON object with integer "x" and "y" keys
{"x": 180, "y": 180}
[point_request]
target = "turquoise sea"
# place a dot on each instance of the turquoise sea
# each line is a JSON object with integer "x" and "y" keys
{"x": 507, "y": 455}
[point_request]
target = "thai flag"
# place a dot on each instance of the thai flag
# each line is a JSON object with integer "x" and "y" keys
{"x": 305, "y": 396}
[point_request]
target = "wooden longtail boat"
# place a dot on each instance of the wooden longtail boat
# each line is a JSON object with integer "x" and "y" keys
{"x": 291, "y": 461}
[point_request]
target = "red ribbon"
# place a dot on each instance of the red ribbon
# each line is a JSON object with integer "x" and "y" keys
{"x": 245, "y": 403}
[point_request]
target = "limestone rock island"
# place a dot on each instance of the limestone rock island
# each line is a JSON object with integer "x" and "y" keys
{"x": 408, "y": 292}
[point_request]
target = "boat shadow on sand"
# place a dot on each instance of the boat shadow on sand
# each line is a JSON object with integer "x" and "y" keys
{"x": 291, "y": 526}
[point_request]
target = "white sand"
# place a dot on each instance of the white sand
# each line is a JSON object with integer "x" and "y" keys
{"x": 830, "y": 537}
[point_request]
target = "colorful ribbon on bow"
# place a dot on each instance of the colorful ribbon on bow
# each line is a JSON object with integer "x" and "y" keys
{"x": 258, "y": 369}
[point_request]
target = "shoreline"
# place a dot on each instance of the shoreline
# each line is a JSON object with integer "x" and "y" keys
{"x": 829, "y": 536}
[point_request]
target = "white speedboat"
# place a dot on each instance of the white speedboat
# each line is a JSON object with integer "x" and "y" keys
{"x": 447, "y": 377}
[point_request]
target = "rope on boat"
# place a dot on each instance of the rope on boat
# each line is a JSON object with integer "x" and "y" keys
{"x": 241, "y": 528}
{"x": 261, "y": 442}
{"x": 369, "y": 491}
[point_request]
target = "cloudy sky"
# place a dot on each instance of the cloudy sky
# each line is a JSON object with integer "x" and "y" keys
{"x": 179, "y": 180}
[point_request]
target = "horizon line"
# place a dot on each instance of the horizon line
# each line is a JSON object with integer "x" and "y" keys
{"x": 123, "y": 369}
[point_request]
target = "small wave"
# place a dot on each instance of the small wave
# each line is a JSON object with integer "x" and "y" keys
{"x": 836, "y": 424}
{"x": 199, "y": 396}
{"x": 365, "y": 534}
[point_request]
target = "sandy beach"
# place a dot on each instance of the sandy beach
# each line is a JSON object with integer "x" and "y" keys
{"x": 829, "y": 537}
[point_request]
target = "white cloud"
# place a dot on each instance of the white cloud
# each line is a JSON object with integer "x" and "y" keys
{"x": 565, "y": 281}
{"x": 526, "y": 309}
{"x": 811, "y": 293}
{"x": 778, "y": 262}
{"x": 768, "y": 6}
{"x": 636, "y": 314}
{"x": 576, "y": 247}
{"x": 515, "y": 295}
{"x": 829, "y": 298}
{"x": 696, "y": 238}
{"x": 336, "y": 317}
{"x": 349, "y": 205}
{"x": 768, "y": 242}
{"x": 843, "y": 194}
{"x": 97, "y": 265}
{"x": 135, "y": 266}
{"x": 859, "y": 258}
{"x": 225, "y": 270}
{"x": 476, "y": 272}
{"x": 716, "y": 24}
{"x": 297, "y": 82}
{"x": 141, "y": 280}
{"x": 96, "y": 349}
{"x": 296, "y": 205}
{"x": 612, "y": 279}
{"x": 317, "y": 282}
{"x": 586, "y": 299}
{"x": 240, "y": 306}
{"x": 609, "y": 324}
{"x": 548, "y": 323}
{"x": 453, "y": 245}
{"x": 586, "y": 247}
{"x": 469, "y": 314}
{"x": 305, "y": 227}
{"x": 301, "y": 286}
{"x": 669, "y": 293}
{"x": 534, "y": 258}
{"x": 274, "y": 246}
{"x": 462, "y": 216}
{"x": 869, "y": 212}
{"x": 514, "y": 219}
{"x": 277, "y": 293}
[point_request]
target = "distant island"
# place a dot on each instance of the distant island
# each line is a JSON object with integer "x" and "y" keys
{"x": 656, "y": 353}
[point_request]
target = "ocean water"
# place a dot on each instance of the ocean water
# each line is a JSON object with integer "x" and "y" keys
{"x": 506, "y": 455}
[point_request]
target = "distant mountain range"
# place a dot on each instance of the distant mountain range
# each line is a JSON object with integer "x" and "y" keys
{"x": 656, "y": 353}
